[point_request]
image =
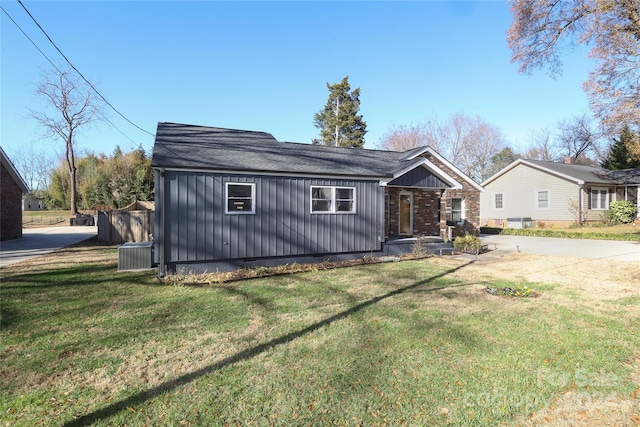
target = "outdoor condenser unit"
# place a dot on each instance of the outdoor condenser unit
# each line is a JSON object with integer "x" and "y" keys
{"x": 135, "y": 256}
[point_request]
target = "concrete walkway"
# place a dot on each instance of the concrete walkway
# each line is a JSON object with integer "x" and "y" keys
{"x": 581, "y": 248}
{"x": 39, "y": 241}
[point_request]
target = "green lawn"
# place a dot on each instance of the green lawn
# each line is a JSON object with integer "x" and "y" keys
{"x": 46, "y": 217}
{"x": 405, "y": 343}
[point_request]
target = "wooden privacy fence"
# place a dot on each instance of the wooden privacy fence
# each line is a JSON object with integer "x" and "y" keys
{"x": 133, "y": 223}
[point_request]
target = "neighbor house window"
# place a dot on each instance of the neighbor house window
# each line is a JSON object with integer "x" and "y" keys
{"x": 456, "y": 210}
{"x": 333, "y": 199}
{"x": 599, "y": 199}
{"x": 498, "y": 201}
{"x": 543, "y": 199}
{"x": 240, "y": 198}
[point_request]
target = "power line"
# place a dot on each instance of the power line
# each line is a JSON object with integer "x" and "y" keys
{"x": 29, "y": 38}
{"x": 79, "y": 73}
{"x": 58, "y": 69}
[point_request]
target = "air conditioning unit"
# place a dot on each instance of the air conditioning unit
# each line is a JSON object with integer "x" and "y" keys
{"x": 135, "y": 256}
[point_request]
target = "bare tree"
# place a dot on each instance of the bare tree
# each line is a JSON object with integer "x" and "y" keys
{"x": 542, "y": 30}
{"x": 35, "y": 166}
{"x": 579, "y": 141}
{"x": 403, "y": 138}
{"x": 71, "y": 106}
{"x": 542, "y": 146}
{"x": 467, "y": 142}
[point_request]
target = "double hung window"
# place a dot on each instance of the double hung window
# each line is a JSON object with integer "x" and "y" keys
{"x": 543, "y": 199}
{"x": 599, "y": 199}
{"x": 326, "y": 199}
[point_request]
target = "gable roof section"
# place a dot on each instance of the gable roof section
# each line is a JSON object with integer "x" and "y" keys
{"x": 419, "y": 151}
{"x": 182, "y": 146}
{"x": 13, "y": 172}
{"x": 422, "y": 176}
{"x": 580, "y": 174}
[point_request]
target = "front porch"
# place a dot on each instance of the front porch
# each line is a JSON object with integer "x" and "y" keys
{"x": 440, "y": 213}
{"x": 403, "y": 245}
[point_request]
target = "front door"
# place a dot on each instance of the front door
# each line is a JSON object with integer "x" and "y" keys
{"x": 406, "y": 214}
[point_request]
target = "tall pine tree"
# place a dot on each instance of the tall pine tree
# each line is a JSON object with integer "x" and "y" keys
{"x": 619, "y": 156}
{"x": 339, "y": 122}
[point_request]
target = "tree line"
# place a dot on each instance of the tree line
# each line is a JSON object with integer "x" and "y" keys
{"x": 103, "y": 181}
{"x": 479, "y": 148}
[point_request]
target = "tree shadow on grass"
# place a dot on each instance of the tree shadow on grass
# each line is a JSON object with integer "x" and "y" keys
{"x": 249, "y": 353}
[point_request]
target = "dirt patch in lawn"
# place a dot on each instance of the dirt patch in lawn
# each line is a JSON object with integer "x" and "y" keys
{"x": 592, "y": 278}
{"x": 599, "y": 285}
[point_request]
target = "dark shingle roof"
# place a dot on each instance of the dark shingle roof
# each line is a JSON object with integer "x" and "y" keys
{"x": 625, "y": 176}
{"x": 590, "y": 174}
{"x": 201, "y": 147}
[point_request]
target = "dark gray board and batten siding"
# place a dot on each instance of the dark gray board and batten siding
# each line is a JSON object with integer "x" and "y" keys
{"x": 196, "y": 227}
{"x": 419, "y": 177}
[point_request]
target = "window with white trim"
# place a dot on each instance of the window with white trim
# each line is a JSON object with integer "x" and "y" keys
{"x": 326, "y": 199}
{"x": 240, "y": 198}
{"x": 498, "y": 201}
{"x": 599, "y": 199}
{"x": 457, "y": 210}
{"x": 542, "y": 199}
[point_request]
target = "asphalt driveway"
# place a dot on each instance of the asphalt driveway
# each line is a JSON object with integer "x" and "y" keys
{"x": 581, "y": 248}
{"x": 39, "y": 241}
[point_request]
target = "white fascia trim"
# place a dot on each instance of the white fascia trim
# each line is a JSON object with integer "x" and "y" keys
{"x": 429, "y": 166}
{"x": 534, "y": 166}
{"x": 419, "y": 153}
{"x": 454, "y": 169}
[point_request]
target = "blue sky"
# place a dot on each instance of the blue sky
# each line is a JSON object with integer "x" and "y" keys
{"x": 264, "y": 66}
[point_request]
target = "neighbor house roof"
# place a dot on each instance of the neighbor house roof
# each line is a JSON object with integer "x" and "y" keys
{"x": 13, "y": 172}
{"x": 200, "y": 147}
{"x": 580, "y": 174}
{"x": 625, "y": 176}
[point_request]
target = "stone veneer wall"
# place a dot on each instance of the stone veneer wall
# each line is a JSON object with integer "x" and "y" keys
{"x": 10, "y": 207}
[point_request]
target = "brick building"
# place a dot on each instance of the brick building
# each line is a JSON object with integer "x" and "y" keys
{"x": 12, "y": 188}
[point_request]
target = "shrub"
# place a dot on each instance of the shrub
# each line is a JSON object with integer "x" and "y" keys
{"x": 468, "y": 243}
{"x": 420, "y": 248}
{"x": 622, "y": 212}
{"x": 490, "y": 230}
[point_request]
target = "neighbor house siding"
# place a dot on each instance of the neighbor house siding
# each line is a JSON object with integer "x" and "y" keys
{"x": 196, "y": 227}
{"x": 595, "y": 214}
{"x": 520, "y": 186}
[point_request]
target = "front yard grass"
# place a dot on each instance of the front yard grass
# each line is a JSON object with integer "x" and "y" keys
{"x": 407, "y": 343}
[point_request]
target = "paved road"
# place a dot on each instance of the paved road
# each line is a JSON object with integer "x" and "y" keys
{"x": 597, "y": 249}
{"x": 39, "y": 241}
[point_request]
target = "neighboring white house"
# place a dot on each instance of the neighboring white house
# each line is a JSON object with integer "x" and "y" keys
{"x": 553, "y": 193}
{"x": 32, "y": 203}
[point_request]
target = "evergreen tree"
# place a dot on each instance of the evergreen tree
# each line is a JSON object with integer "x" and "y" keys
{"x": 339, "y": 122}
{"x": 619, "y": 156}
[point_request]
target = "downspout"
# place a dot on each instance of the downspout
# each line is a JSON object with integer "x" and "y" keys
{"x": 162, "y": 271}
{"x": 580, "y": 204}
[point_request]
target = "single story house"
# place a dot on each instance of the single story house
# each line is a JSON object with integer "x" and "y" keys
{"x": 32, "y": 203}
{"x": 228, "y": 198}
{"x": 12, "y": 187}
{"x": 551, "y": 193}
